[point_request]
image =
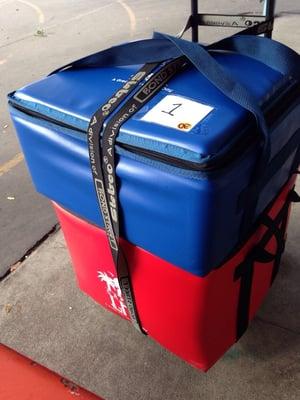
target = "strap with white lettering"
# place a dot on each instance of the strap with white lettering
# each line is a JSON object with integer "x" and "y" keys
{"x": 103, "y": 161}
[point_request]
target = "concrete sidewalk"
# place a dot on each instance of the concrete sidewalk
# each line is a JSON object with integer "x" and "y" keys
{"x": 44, "y": 316}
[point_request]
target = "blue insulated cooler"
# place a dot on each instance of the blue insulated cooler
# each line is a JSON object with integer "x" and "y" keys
{"x": 186, "y": 159}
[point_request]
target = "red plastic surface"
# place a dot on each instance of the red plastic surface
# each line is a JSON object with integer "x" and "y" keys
{"x": 22, "y": 379}
{"x": 191, "y": 316}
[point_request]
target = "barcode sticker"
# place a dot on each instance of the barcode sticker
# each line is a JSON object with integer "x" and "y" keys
{"x": 177, "y": 112}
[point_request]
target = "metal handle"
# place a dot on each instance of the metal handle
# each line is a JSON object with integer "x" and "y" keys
{"x": 224, "y": 20}
{"x": 269, "y": 11}
{"x": 194, "y": 10}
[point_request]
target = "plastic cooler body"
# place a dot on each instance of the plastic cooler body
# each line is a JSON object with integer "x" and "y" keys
{"x": 187, "y": 217}
{"x": 193, "y": 317}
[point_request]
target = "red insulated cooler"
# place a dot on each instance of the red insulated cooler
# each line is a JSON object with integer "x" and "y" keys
{"x": 197, "y": 318}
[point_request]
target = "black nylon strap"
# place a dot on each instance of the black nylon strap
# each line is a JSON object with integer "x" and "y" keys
{"x": 95, "y": 156}
{"x": 279, "y": 233}
{"x": 103, "y": 161}
{"x": 244, "y": 271}
{"x": 246, "y": 279}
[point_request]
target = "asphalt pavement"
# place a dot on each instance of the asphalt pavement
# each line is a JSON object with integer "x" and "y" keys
{"x": 38, "y": 36}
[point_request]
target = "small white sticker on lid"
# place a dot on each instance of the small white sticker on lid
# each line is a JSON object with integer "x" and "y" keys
{"x": 177, "y": 112}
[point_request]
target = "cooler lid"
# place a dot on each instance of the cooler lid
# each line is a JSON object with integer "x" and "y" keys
{"x": 188, "y": 119}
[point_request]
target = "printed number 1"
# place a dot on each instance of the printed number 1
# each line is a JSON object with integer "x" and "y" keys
{"x": 173, "y": 109}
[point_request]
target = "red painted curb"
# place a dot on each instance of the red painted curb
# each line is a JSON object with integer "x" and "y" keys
{"x": 23, "y": 379}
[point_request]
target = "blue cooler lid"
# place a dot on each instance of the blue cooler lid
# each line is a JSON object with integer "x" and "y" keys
{"x": 189, "y": 118}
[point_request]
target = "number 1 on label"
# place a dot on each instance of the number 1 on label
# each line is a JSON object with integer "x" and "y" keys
{"x": 173, "y": 109}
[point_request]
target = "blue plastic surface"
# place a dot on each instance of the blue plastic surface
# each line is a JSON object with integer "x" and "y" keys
{"x": 186, "y": 217}
{"x": 73, "y": 96}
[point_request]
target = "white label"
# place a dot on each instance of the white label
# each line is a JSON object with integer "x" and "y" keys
{"x": 114, "y": 292}
{"x": 177, "y": 112}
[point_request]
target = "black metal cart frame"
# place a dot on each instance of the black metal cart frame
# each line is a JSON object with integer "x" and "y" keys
{"x": 230, "y": 20}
